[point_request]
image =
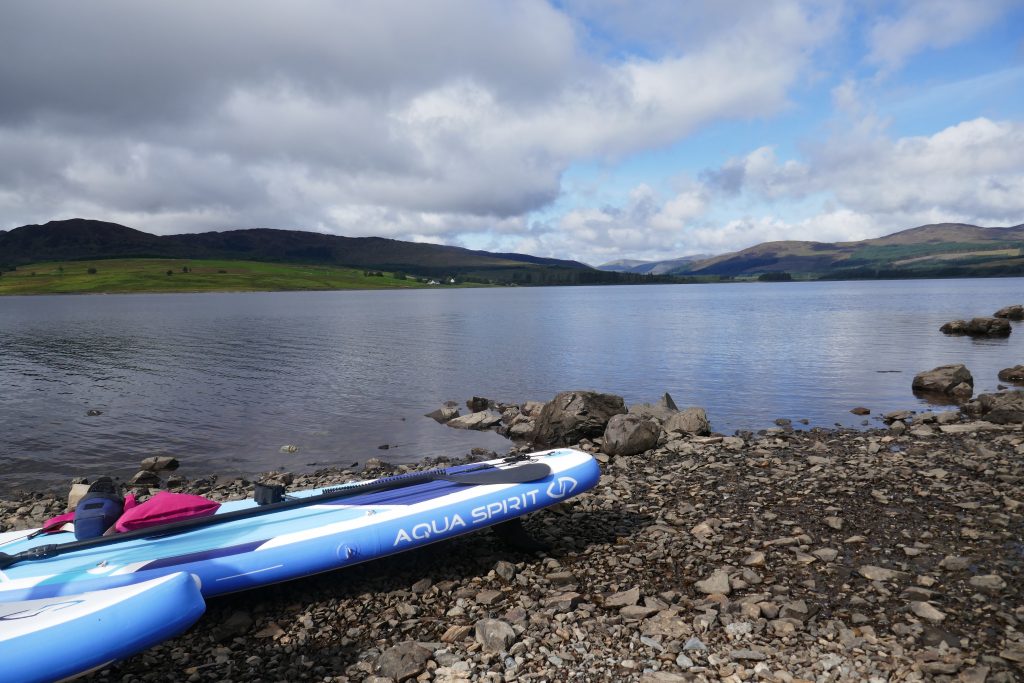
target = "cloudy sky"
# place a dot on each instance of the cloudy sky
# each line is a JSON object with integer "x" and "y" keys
{"x": 591, "y": 129}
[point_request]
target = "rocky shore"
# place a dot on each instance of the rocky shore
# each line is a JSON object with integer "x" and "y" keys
{"x": 895, "y": 553}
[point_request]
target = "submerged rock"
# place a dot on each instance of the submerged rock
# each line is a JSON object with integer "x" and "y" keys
{"x": 952, "y": 380}
{"x": 1013, "y": 312}
{"x": 1014, "y": 374}
{"x": 445, "y": 413}
{"x": 978, "y": 327}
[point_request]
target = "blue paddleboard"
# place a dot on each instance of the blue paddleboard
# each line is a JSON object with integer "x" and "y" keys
{"x": 299, "y": 541}
{"x": 54, "y": 638}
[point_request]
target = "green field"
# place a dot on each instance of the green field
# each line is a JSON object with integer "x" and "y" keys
{"x": 151, "y": 275}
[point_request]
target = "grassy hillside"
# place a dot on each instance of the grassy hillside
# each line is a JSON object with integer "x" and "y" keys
{"x": 82, "y": 240}
{"x": 942, "y": 250}
{"x": 151, "y": 275}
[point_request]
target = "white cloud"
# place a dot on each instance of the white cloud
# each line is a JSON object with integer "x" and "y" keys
{"x": 972, "y": 170}
{"x": 400, "y": 119}
{"x": 928, "y": 24}
{"x": 856, "y": 185}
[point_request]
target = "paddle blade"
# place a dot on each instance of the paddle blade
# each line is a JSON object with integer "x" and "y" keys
{"x": 520, "y": 474}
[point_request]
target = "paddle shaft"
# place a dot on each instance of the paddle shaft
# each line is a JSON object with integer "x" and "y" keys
{"x": 483, "y": 475}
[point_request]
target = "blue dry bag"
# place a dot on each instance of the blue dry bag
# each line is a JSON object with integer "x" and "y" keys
{"x": 98, "y": 509}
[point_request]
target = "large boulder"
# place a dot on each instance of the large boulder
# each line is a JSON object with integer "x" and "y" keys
{"x": 1014, "y": 374}
{"x": 630, "y": 434}
{"x": 1004, "y": 408}
{"x": 979, "y": 327}
{"x": 575, "y": 415}
{"x": 951, "y": 380}
{"x": 1014, "y": 312}
{"x": 690, "y": 421}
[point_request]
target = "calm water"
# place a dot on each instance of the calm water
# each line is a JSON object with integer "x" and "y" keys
{"x": 224, "y": 380}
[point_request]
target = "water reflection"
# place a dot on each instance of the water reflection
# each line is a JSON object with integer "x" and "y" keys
{"x": 224, "y": 380}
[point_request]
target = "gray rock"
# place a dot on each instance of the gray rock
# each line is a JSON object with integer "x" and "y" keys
{"x": 954, "y": 563}
{"x": 943, "y": 379}
{"x": 1003, "y": 408}
{"x": 1014, "y": 374}
{"x": 521, "y": 431}
{"x": 664, "y": 677}
{"x": 926, "y": 610}
{"x": 562, "y": 579}
{"x": 797, "y": 609}
{"x": 495, "y": 635}
{"x": 445, "y": 413}
{"x": 479, "y": 404}
{"x": 873, "y": 573}
{"x": 76, "y": 493}
{"x": 488, "y": 597}
{"x": 403, "y": 661}
{"x": 978, "y": 327}
{"x": 145, "y": 478}
{"x": 975, "y": 674}
{"x": 661, "y": 411}
{"x": 690, "y": 421}
{"x": 623, "y": 598}
{"x": 160, "y": 463}
{"x": 694, "y": 644}
{"x": 825, "y": 554}
{"x": 630, "y": 434}
{"x": 478, "y": 421}
{"x": 895, "y": 415}
{"x": 377, "y": 465}
{"x": 718, "y": 582}
{"x": 988, "y": 582}
{"x": 637, "y": 612}
{"x": 235, "y": 625}
{"x": 505, "y": 569}
{"x": 1013, "y": 312}
{"x": 572, "y": 416}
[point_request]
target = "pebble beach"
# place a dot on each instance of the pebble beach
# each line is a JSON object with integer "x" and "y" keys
{"x": 891, "y": 554}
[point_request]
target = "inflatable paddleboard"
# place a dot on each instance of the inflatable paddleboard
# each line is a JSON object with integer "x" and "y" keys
{"x": 54, "y": 638}
{"x": 299, "y": 541}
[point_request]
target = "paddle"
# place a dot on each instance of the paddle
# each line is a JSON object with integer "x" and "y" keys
{"x": 483, "y": 475}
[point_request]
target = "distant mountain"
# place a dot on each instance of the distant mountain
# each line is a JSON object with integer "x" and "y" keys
{"x": 621, "y": 266}
{"x": 945, "y": 249}
{"x": 651, "y": 267}
{"x": 78, "y": 239}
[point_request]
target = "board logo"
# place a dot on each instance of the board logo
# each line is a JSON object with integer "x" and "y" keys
{"x": 562, "y": 487}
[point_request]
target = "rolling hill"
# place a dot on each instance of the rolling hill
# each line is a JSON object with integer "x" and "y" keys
{"x": 81, "y": 239}
{"x": 940, "y": 250}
